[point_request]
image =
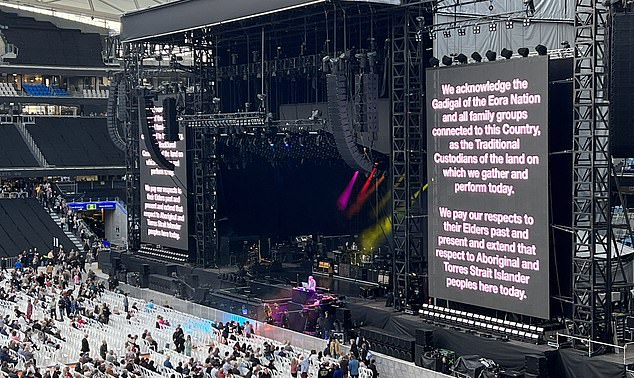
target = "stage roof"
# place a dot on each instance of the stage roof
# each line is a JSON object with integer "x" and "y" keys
{"x": 183, "y": 15}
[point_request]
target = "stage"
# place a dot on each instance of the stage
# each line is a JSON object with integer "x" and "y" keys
{"x": 236, "y": 296}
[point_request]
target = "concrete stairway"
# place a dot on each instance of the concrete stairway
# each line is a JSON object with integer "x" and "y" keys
{"x": 77, "y": 244}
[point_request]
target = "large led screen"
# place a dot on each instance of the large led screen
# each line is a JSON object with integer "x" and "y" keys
{"x": 164, "y": 192}
{"x": 487, "y": 148}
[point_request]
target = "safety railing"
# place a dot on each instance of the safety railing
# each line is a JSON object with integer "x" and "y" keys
{"x": 30, "y": 142}
{"x": 627, "y": 360}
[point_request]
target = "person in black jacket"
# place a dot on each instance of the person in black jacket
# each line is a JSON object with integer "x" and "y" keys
{"x": 85, "y": 348}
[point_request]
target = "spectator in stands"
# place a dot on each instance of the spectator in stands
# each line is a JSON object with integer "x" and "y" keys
{"x": 168, "y": 363}
{"x": 304, "y": 366}
{"x": 103, "y": 350}
{"x": 187, "y": 346}
{"x": 125, "y": 303}
{"x": 85, "y": 347}
{"x": 353, "y": 366}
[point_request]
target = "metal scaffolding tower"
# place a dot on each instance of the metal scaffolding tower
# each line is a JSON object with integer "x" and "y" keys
{"x": 592, "y": 252}
{"x": 408, "y": 161}
{"x": 204, "y": 170}
{"x": 128, "y": 114}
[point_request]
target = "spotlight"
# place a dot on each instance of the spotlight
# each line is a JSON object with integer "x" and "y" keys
{"x": 526, "y": 22}
{"x": 523, "y": 51}
{"x": 447, "y": 60}
{"x": 506, "y": 53}
{"x": 462, "y": 32}
{"x": 434, "y": 62}
{"x": 446, "y": 33}
{"x": 493, "y": 26}
{"x": 432, "y": 35}
{"x": 541, "y": 49}
{"x": 509, "y": 24}
{"x": 530, "y": 7}
{"x": 565, "y": 45}
{"x": 476, "y": 56}
{"x": 476, "y": 29}
{"x": 461, "y": 58}
{"x": 491, "y": 55}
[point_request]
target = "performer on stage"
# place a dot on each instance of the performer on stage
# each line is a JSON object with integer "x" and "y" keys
{"x": 312, "y": 284}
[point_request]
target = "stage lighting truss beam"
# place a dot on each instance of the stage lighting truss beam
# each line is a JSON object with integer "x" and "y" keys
{"x": 250, "y": 122}
{"x": 408, "y": 158}
{"x": 594, "y": 263}
{"x": 280, "y": 66}
{"x": 516, "y": 16}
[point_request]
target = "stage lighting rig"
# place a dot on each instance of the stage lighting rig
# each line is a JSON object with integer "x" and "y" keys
{"x": 476, "y": 57}
{"x": 523, "y": 51}
{"x": 565, "y": 45}
{"x": 315, "y": 115}
{"x": 506, "y": 53}
{"x": 509, "y": 23}
{"x": 446, "y": 33}
{"x": 447, "y": 61}
{"x": 434, "y": 62}
{"x": 541, "y": 49}
{"x": 530, "y": 7}
{"x": 476, "y": 29}
{"x": 526, "y": 22}
{"x": 462, "y": 58}
{"x": 491, "y": 55}
{"x": 493, "y": 26}
{"x": 325, "y": 64}
{"x": 462, "y": 32}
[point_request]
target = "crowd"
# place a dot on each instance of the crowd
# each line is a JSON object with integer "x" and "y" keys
{"x": 62, "y": 294}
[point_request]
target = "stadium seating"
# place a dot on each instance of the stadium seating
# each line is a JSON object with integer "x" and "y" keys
{"x": 13, "y": 151}
{"x": 62, "y": 47}
{"x": 7, "y": 89}
{"x": 119, "y": 331}
{"x": 24, "y": 224}
{"x": 75, "y": 142}
{"x": 43, "y": 90}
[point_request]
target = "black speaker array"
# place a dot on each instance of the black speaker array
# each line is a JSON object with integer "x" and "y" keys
{"x": 169, "y": 119}
{"x": 144, "y": 276}
{"x": 425, "y": 338}
{"x": 536, "y": 366}
{"x": 338, "y": 116}
{"x": 344, "y": 316}
{"x": 385, "y": 343}
{"x": 149, "y": 133}
{"x": 371, "y": 92}
{"x": 622, "y": 85}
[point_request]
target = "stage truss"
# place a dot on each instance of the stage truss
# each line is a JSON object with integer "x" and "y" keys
{"x": 408, "y": 157}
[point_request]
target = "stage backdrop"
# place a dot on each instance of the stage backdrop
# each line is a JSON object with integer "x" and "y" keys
{"x": 487, "y": 148}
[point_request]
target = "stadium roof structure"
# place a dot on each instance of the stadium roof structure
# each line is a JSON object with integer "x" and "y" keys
{"x": 110, "y": 10}
{"x": 161, "y": 20}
